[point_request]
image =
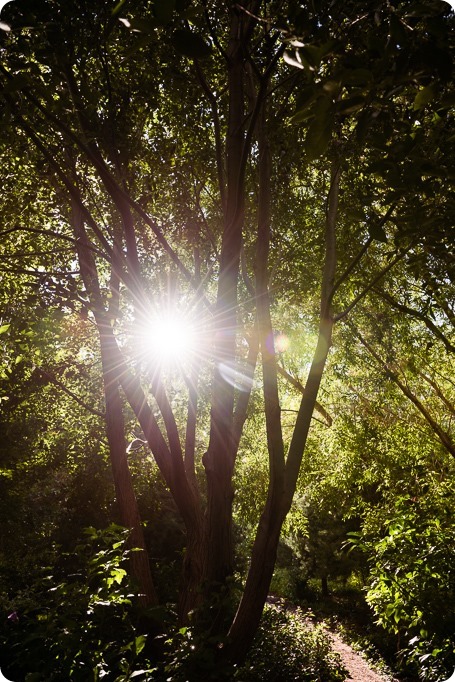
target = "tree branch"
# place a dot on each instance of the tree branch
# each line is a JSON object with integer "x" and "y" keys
{"x": 309, "y": 397}
{"x": 351, "y": 266}
{"x": 439, "y": 393}
{"x": 51, "y": 233}
{"x": 93, "y": 155}
{"x": 441, "y": 434}
{"x": 217, "y": 129}
{"x": 269, "y": 364}
{"x": 53, "y": 379}
{"x": 417, "y": 314}
{"x": 370, "y": 286}
{"x": 301, "y": 388}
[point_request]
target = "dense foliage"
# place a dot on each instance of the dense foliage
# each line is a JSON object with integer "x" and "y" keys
{"x": 226, "y": 324}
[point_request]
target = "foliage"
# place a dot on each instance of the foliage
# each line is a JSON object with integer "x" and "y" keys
{"x": 288, "y": 648}
{"x": 412, "y": 583}
{"x": 77, "y": 623}
{"x": 270, "y": 170}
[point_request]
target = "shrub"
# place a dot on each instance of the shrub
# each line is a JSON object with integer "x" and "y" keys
{"x": 287, "y": 648}
{"x": 412, "y": 583}
{"x": 79, "y": 627}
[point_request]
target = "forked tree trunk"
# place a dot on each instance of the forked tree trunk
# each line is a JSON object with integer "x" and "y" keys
{"x": 248, "y": 616}
{"x": 282, "y": 488}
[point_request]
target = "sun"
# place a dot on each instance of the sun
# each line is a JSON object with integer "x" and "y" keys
{"x": 169, "y": 339}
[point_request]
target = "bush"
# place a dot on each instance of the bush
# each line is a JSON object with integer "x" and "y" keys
{"x": 412, "y": 583}
{"x": 79, "y": 627}
{"x": 287, "y": 648}
{"x": 78, "y": 623}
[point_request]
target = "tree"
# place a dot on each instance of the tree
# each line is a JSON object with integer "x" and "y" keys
{"x": 190, "y": 187}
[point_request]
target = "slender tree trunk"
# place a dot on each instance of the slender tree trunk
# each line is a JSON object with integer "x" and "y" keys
{"x": 115, "y": 427}
{"x": 172, "y": 467}
{"x": 219, "y": 459}
{"x": 126, "y": 498}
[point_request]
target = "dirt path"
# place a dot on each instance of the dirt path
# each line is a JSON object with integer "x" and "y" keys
{"x": 357, "y": 667}
{"x": 359, "y": 670}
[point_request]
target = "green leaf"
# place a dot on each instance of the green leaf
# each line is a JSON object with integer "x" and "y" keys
{"x": 363, "y": 123}
{"x": 118, "y": 7}
{"x": 4, "y": 328}
{"x": 331, "y": 87}
{"x": 319, "y": 132}
{"x": 305, "y": 98}
{"x": 139, "y": 643}
{"x": 118, "y": 574}
{"x": 312, "y": 54}
{"x": 424, "y": 97}
{"x": 382, "y": 167}
{"x": 448, "y": 101}
{"x": 377, "y": 232}
{"x": 190, "y": 44}
{"x": 351, "y": 104}
{"x": 356, "y": 77}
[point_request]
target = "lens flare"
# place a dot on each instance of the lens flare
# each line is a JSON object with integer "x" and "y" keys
{"x": 238, "y": 375}
{"x": 277, "y": 343}
{"x": 281, "y": 343}
{"x": 169, "y": 339}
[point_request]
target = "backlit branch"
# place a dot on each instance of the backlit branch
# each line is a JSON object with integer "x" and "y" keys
{"x": 443, "y": 436}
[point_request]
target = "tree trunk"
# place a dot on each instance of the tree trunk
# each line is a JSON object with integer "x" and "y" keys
{"x": 219, "y": 458}
{"x": 190, "y": 594}
{"x": 126, "y": 498}
{"x": 257, "y": 585}
{"x": 324, "y": 586}
{"x": 282, "y": 488}
{"x": 115, "y": 427}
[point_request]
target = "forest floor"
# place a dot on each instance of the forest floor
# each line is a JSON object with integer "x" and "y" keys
{"x": 366, "y": 650}
{"x": 359, "y": 670}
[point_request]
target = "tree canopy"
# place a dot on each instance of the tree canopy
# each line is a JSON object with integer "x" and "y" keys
{"x": 227, "y": 245}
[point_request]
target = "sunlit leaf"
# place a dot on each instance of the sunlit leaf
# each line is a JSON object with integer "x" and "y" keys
{"x": 139, "y": 643}
{"x": 292, "y": 61}
{"x": 424, "y": 97}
